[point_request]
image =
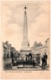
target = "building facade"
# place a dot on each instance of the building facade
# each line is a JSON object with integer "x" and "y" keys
{"x": 42, "y": 49}
{"x": 7, "y": 49}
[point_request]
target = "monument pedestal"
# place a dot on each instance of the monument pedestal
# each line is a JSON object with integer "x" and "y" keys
{"x": 25, "y": 51}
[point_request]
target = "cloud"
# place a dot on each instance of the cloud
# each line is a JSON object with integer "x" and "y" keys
{"x": 13, "y": 22}
{"x": 17, "y": 13}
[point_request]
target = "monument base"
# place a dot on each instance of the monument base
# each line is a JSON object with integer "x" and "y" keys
{"x": 24, "y": 53}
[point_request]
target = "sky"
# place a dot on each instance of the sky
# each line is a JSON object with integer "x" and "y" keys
{"x": 12, "y": 20}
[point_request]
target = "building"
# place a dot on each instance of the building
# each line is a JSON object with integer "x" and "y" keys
{"x": 39, "y": 49}
{"x": 7, "y": 49}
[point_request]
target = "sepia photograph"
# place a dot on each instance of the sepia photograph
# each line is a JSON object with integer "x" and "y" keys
{"x": 25, "y": 27}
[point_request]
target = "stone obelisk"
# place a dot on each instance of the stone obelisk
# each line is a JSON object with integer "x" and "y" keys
{"x": 25, "y": 44}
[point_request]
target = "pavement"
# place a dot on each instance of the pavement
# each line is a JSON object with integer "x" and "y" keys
{"x": 8, "y": 66}
{"x": 27, "y": 68}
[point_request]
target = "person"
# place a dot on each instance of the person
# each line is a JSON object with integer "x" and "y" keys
{"x": 12, "y": 56}
{"x": 44, "y": 60}
{"x": 45, "y": 56}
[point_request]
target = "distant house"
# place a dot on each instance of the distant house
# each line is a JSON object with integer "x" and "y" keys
{"x": 37, "y": 44}
{"x": 40, "y": 49}
{"x": 7, "y": 49}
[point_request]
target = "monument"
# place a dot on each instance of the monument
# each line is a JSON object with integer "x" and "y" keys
{"x": 25, "y": 44}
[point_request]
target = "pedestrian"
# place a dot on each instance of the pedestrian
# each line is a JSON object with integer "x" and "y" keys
{"x": 44, "y": 60}
{"x": 12, "y": 57}
{"x": 45, "y": 56}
